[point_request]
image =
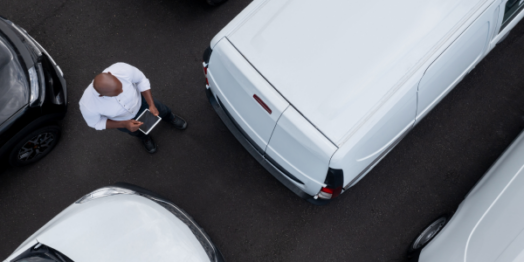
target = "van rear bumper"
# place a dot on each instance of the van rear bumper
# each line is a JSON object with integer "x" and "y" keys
{"x": 257, "y": 153}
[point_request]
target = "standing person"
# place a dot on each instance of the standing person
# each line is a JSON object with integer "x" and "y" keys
{"x": 117, "y": 96}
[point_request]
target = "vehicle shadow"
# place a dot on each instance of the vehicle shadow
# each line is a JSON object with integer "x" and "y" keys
{"x": 191, "y": 8}
{"x": 7, "y": 174}
{"x": 4, "y": 164}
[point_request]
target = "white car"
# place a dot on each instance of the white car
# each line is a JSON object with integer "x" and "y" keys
{"x": 320, "y": 91}
{"x": 122, "y": 222}
{"x": 489, "y": 223}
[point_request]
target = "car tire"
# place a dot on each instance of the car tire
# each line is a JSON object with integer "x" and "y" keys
{"x": 34, "y": 146}
{"x": 428, "y": 234}
{"x": 215, "y": 2}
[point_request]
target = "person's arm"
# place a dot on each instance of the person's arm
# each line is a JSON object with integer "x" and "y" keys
{"x": 149, "y": 99}
{"x": 99, "y": 122}
{"x": 131, "y": 125}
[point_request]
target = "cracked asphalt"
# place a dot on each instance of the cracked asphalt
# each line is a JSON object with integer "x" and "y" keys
{"x": 204, "y": 170}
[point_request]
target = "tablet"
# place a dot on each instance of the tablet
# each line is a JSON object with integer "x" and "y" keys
{"x": 149, "y": 120}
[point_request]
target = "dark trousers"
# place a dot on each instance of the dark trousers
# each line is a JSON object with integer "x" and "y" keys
{"x": 163, "y": 111}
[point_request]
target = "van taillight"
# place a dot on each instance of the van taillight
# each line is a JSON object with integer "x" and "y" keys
{"x": 204, "y": 64}
{"x": 334, "y": 183}
{"x": 329, "y": 193}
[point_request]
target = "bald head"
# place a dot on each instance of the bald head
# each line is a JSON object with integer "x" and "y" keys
{"x": 107, "y": 85}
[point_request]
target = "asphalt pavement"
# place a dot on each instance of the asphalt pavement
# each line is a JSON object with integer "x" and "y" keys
{"x": 204, "y": 170}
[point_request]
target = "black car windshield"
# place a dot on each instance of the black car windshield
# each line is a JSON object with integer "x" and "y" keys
{"x": 42, "y": 253}
{"x": 37, "y": 258}
{"x": 14, "y": 88}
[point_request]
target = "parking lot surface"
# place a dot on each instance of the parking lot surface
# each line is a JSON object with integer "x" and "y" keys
{"x": 204, "y": 170}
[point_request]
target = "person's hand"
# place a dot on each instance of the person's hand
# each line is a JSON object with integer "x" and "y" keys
{"x": 153, "y": 110}
{"x": 133, "y": 125}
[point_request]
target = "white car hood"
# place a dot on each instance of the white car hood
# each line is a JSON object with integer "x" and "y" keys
{"x": 338, "y": 61}
{"x": 121, "y": 228}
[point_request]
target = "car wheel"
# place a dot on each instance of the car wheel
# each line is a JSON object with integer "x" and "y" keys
{"x": 428, "y": 234}
{"x": 34, "y": 146}
{"x": 215, "y": 2}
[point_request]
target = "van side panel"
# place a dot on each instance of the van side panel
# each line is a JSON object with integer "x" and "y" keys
{"x": 302, "y": 150}
{"x": 371, "y": 143}
{"x": 456, "y": 61}
{"x": 234, "y": 81}
{"x": 367, "y": 147}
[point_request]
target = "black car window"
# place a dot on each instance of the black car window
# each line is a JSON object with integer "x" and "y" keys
{"x": 512, "y": 9}
{"x": 14, "y": 88}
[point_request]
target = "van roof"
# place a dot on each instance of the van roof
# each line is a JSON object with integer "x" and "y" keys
{"x": 336, "y": 60}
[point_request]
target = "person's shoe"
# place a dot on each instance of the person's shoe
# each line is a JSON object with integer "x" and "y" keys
{"x": 178, "y": 122}
{"x": 149, "y": 144}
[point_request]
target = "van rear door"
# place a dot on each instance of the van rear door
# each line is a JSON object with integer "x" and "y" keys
{"x": 244, "y": 94}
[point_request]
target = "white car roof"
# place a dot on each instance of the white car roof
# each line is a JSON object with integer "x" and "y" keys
{"x": 337, "y": 60}
{"x": 121, "y": 228}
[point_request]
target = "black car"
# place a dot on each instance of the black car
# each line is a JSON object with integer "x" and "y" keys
{"x": 33, "y": 97}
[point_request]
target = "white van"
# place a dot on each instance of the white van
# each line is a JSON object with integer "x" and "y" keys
{"x": 320, "y": 91}
{"x": 489, "y": 223}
